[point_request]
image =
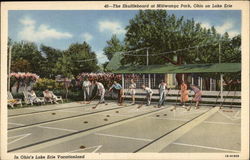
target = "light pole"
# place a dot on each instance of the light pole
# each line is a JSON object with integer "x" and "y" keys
{"x": 149, "y": 78}
{"x": 221, "y": 75}
{"x": 9, "y": 66}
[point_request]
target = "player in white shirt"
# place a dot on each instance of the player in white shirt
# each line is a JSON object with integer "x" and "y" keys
{"x": 132, "y": 88}
{"x": 86, "y": 87}
{"x": 162, "y": 90}
{"x": 101, "y": 91}
{"x": 149, "y": 94}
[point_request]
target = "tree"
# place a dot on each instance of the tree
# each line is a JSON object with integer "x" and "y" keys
{"x": 21, "y": 65}
{"x": 76, "y": 59}
{"x": 81, "y": 58}
{"x": 26, "y": 57}
{"x": 51, "y": 57}
{"x": 113, "y": 45}
{"x": 162, "y": 32}
{"x": 62, "y": 68}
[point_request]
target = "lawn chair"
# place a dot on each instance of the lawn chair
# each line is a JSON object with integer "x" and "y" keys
{"x": 12, "y": 101}
{"x": 57, "y": 98}
{"x": 53, "y": 99}
{"x": 28, "y": 100}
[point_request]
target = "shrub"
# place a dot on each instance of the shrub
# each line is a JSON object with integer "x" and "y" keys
{"x": 44, "y": 83}
{"x": 105, "y": 78}
{"x": 18, "y": 96}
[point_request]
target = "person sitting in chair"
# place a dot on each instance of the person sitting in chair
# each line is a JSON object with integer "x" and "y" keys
{"x": 33, "y": 98}
{"x": 49, "y": 97}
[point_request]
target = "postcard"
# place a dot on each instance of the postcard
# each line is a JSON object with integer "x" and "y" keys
{"x": 125, "y": 80}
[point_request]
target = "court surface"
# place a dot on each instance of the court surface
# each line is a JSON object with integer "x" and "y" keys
{"x": 74, "y": 127}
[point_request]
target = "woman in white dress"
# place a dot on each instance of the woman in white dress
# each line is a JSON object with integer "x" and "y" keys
{"x": 33, "y": 98}
{"x": 132, "y": 88}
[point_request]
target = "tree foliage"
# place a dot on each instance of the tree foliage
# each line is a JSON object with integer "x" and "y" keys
{"x": 113, "y": 45}
{"x": 51, "y": 56}
{"x": 25, "y": 57}
{"x": 162, "y": 32}
{"x": 79, "y": 58}
{"x": 49, "y": 62}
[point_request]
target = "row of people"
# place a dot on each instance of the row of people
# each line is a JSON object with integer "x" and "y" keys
{"x": 184, "y": 98}
{"x": 49, "y": 96}
{"x": 149, "y": 92}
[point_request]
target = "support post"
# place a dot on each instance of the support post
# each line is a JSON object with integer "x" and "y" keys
{"x": 154, "y": 79}
{"x": 201, "y": 79}
{"x": 8, "y": 85}
{"x": 221, "y": 75}
{"x": 123, "y": 81}
{"x": 143, "y": 78}
{"x": 149, "y": 81}
{"x": 221, "y": 86}
{"x": 192, "y": 80}
{"x": 210, "y": 79}
{"x": 147, "y": 56}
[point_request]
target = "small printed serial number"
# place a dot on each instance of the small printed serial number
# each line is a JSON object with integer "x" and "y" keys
{"x": 232, "y": 155}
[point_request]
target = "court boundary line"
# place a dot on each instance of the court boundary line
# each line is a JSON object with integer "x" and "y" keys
{"x": 228, "y": 117}
{"x": 123, "y": 137}
{"x": 55, "y": 128}
{"x": 64, "y": 118}
{"x": 206, "y": 147}
{"x": 185, "y": 120}
{"x": 21, "y": 137}
{"x": 35, "y": 112}
{"x": 55, "y": 108}
{"x": 156, "y": 146}
{"x": 236, "y": 115}
{"x": 70, "y": 130}
{"x": 94, "y": 151}
{"x": 19, "y": 124}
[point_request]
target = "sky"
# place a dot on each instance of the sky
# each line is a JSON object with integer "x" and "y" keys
{"x": 60, "y": 28}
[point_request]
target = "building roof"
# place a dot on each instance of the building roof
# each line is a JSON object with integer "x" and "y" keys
{"x": 187, "y": 68}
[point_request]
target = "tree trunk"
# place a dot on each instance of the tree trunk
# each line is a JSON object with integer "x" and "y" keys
{"x": 18, "y": 85}
{"x": 67, "y": 92}
{"x": 180, "y": 60}
{"x": 66, "y": 88}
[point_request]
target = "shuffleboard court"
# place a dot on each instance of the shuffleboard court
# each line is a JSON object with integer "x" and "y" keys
{"x": 130, "y": 136}
{"x": 125, "y": 129}
{"x": 76, "y": 124}
{"x": 219, "y": 133}
{"x": 58, "y": 114}
{"x": 35, "y": 109}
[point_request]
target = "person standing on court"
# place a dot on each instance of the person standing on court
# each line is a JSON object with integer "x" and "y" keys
{"x": 184, "y": 94}
{"x": 162, "y": 93}
{"x": 91, "y": 88}
{"x": 118, "y": 89}
{"x": 197, "y": 95}
{"x": 101, "y": 91}
{"x": 149, "y": 94}
{"x": 132, "y": 88}
{"x": 86, "y": 87}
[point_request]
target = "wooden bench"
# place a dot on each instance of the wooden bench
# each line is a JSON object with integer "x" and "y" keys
{"x": 207, "y": 96}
